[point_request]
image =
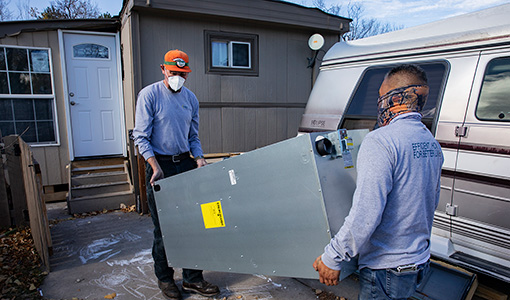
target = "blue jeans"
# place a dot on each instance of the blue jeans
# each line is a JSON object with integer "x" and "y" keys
{"x": 388, "y": 284}
{"x": 163, "y": 272}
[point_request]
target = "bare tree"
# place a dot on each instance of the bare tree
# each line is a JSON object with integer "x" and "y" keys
{"x": 70, "y": 9}
{"x": 334, "y": 9}
{"x": 24, "y": 10}
{"x": 5, "y": 13}
{"x": 360, "y": 26}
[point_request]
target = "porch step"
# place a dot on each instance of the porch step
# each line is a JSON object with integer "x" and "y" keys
{"x": 97, "y": 169}
{"x": 98, "y": 162}
{"x": 99, "y": 184}
{"x": 92, "y": 178}
{"x": 99, "y": 202}
{"x": 100, "y": 188}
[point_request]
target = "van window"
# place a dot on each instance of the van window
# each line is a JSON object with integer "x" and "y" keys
{"x": 494, "y": 104}
{"x": 362, "y": 110}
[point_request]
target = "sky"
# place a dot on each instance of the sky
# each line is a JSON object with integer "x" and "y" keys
{"x": 405, "y": 13}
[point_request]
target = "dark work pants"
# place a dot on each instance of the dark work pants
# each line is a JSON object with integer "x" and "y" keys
{"x": 163, "y": 272}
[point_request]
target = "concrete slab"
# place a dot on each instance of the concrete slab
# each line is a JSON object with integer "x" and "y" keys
{"x": 111, "y": 253}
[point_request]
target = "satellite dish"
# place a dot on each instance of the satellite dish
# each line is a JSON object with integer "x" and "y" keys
{"x": 316, "y": 42}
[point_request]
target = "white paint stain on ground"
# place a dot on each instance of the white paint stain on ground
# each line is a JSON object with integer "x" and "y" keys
{"x": 134, "y": 278}
{"x": 129, "y": 282}
{"x": 141, "y": 258}
{"x": 100, "y": 249}
{"x": 268, "y": 279}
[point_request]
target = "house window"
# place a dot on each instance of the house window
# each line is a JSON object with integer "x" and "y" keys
{"x": 493, "y": 104}
{"x": 27, "y": 101}
{"x": 231, "y": 53}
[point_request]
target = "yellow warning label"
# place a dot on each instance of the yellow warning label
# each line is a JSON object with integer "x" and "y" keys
{"x": 213, "y": 215}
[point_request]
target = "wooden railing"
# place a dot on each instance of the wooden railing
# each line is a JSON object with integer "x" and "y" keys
{"x": 24, "y": 204}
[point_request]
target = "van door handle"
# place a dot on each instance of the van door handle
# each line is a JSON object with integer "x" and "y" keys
{"x": 461, "y": 131}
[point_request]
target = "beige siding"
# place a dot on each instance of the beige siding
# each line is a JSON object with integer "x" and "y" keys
{"x": 238, "y": 113}
{"x": 126, "y": 39}
{"x": 52, "y": 159}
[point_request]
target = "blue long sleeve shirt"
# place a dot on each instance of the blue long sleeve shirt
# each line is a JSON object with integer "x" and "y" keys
{"x": 166, "y": 122}
{"x": 397, "y": 192}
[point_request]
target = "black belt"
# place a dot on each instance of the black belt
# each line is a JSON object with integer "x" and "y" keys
{"x": 174, "y": 158}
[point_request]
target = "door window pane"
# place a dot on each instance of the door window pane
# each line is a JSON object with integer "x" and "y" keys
{"x": 90, "y": 51}
{"x": 219, "y": 54}
{"x": 494, "y": 101}
{"x": 241, "y": 55}
{"x": 17, "y": 59}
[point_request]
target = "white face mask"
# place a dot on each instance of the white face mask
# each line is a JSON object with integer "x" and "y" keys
{"x": 176, "y": 82}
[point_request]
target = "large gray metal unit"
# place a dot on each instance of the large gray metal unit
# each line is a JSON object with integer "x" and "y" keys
{"x": 270, "y": 211}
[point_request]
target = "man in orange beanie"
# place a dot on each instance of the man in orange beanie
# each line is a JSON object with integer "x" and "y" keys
{"x": 166, "y": 133}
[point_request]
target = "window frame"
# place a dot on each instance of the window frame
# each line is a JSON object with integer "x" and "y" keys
{"x": 230, "y": 38}
{"x": 50, "y": 96}
{"x": 481, "y": 90}
{"x": 388, "y": 66}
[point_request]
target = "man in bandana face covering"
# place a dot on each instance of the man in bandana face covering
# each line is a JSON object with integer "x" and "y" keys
{"x": 397, "y": 191}
{"x": 166, "y": 131}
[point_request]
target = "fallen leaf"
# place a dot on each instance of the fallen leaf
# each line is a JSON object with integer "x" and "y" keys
{"x": 110, "y": 296}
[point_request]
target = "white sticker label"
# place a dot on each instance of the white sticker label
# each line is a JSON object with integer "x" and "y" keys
{"x": 232, "y": 175}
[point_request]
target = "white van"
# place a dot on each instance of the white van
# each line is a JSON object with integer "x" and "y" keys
{"x": 467, "y": 60}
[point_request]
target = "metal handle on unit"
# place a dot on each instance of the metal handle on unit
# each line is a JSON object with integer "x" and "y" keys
{"x": 72, "y": 103}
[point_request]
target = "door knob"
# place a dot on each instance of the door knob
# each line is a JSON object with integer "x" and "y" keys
{"x": 72, "y": 103}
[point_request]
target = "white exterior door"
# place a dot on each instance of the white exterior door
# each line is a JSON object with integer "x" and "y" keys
{"x": 93, "y": 95}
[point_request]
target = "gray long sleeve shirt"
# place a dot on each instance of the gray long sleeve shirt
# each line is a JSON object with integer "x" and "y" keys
{"x": 166, "y": 122}
{"x": 397, "y": 191}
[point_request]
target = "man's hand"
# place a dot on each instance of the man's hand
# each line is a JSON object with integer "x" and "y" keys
{"x": 201, "y": 162}
{"x": 326, "y": 275}
{"x": 157, "y": 172}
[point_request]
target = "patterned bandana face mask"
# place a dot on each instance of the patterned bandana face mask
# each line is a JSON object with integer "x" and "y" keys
{"x": 411, "y": 98}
